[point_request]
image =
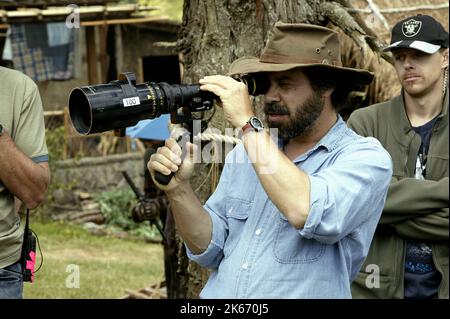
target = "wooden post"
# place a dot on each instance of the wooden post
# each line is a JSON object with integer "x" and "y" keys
{"x": 119, "y": 48}
{"x": 140, "y": 70}
{"x": 104, "y": 58}
{"x": 66, "y": 131}
{"x": 91, "y": 55}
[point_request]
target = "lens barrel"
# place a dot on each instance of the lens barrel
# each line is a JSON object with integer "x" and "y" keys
{"x": 123, "y": 103}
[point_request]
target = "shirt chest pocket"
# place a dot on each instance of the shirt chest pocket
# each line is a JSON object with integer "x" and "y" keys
{"x": 237, "y": 211}
{"x": 437, "y": 167}
{"x": 291, "y": 248}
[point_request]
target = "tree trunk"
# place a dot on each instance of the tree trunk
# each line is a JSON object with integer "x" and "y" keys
{"x": 213, "y": 34}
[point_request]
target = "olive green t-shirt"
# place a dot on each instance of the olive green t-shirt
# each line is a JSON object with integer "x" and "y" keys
{"x": 21, "y": 115}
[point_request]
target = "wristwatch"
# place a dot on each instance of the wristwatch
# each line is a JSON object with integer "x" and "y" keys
{"x": 253, "y": 123}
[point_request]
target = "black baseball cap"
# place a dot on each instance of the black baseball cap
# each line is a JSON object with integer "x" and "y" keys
{"x": 420, "y": 32}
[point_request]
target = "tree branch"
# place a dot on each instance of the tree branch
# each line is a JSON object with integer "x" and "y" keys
{"x": 341, "y": 18}
{"x": 403, "y": 9}
{"x": 377, "y": 13}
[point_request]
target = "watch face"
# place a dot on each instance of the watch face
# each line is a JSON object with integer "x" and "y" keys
{"x": 256, "y": 124}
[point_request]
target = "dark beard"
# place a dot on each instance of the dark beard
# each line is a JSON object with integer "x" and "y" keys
{"x": 303, "y": 120}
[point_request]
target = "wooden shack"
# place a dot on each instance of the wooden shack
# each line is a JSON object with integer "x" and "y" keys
{"x": 111, "y": 38}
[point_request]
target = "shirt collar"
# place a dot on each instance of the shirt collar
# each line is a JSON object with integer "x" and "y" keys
{"x": 400, "y": 119}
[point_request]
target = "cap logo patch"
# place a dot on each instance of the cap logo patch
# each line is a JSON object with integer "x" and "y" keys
{"x": 411, "y": 27}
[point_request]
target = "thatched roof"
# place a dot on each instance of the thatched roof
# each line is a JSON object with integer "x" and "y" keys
{"x": 392, "y": 11}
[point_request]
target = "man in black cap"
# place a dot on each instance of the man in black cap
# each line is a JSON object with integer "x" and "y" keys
{"x": 409, "y": 255}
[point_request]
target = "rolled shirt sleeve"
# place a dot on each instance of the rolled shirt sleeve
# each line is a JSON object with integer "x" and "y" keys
{"x": 346, "y": 194}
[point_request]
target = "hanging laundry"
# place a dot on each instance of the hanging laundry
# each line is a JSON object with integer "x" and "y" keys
{"x": 43, "y": 51}
{"x": 7, "y": 51}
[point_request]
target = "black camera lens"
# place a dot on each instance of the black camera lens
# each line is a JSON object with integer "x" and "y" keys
{"x": 80, "y": 115}
{"x": 122, "y": 103}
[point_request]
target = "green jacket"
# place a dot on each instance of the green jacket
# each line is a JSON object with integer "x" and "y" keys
{"x": 416, "y": 209}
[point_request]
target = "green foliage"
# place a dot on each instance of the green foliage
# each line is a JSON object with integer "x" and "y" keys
{"x": 116, "y": 206}
{"x": 56, "y": 140}
{"x": 55, "y": 143}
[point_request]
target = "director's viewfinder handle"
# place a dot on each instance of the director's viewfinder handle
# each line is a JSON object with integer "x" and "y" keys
{"x": 165, "y": 179}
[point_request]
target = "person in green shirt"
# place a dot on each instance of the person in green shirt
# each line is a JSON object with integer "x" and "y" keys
{"x": 409, "y": 254}
{"x": 24, "y": 170}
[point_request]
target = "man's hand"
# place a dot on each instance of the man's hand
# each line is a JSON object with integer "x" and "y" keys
{"x": 233, "y": 95}
{"x": 167, "y": 159}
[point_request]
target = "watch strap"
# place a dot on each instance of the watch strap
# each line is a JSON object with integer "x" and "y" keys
{"x": 246, "y": 127}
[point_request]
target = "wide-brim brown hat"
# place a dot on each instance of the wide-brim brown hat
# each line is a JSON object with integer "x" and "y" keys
{"x": 301, "y": 45}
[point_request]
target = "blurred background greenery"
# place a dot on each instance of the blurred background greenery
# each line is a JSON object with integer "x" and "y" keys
{"x": 108, "y": 266}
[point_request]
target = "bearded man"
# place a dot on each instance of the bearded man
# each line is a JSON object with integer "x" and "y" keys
{"x": 296, "y": 218}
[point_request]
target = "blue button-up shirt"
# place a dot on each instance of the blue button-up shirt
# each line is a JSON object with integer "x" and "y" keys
{"x": 256, "y": 253}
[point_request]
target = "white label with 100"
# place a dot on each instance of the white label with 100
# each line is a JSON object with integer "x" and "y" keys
{"x": 131, "y": 101}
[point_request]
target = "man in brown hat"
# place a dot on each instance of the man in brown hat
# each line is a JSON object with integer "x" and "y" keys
{"x": 409, "y": 254}
{"x": 295, "y": 217}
